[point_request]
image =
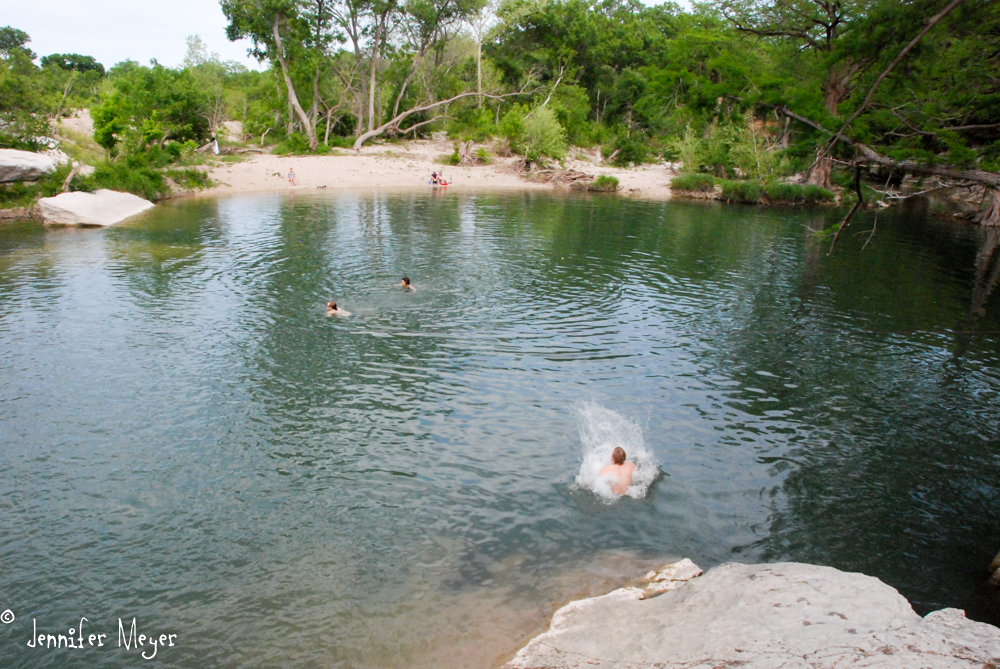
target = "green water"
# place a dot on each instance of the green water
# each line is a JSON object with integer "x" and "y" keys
{"x": 186, "y": 438}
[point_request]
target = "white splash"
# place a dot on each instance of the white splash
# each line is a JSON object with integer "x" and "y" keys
{"x": 601, "y": 430}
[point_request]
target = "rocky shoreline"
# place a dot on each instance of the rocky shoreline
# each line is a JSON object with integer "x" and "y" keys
{"x": 764, "y": 616}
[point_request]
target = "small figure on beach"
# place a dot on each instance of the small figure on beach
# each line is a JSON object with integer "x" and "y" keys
{"x": 619, "y": 472}
{"x": 332, "y": 310}
{"x": 405, "y": 283}
{"x": 434, "y": 178}
{"x": 291, "y": 177}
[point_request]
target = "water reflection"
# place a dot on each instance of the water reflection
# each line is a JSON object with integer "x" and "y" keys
{"x": 397, "y": 487}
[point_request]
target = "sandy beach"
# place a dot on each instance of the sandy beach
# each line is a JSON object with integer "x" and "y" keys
{"x": 409, "y": 165}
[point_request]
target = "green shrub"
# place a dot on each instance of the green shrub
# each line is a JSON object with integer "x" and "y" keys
{"x": 294, "y": 144}
{"x": 340, "y": 142}
{"x": 544, "y": 137}
{"x": 22, "y": 131}
{"x": 483, "y": 156}
{"x": 753, "y": 154}
{"x": 297, "y": 144}
{"x": 190, "y": 178}
{"x": 511, "y": 127}
{"x": 686, "y": 149}
{"x": 472, "y": 124}
{"x": 604, "y": 184}
{"x": 747, "y": 192}
{"x": 629, "y": 149}
{"x": 132, "y": 178}
{"x": 780, "y": 193}
{"x": 694, "y": 183}
{"x": 24, "y": 193}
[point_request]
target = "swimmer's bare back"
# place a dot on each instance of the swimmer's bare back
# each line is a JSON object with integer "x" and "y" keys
{"x": 332, "y": 310}
{"x": 622, "y": 476}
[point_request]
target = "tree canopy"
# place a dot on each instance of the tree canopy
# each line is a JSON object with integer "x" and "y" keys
{"x": 735, "y": 89}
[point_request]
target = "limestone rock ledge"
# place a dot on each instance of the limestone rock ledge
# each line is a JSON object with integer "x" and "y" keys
{"x": 101, "y": 208}
{"x": 18, "y": 165}
{"x": 789, "y": 615}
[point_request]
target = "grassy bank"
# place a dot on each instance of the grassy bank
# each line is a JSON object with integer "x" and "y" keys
{"x": 750, "y": 192}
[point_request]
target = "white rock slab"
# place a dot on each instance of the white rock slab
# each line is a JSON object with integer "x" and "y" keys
{"x": 56, "y": 154}
{"x": 103, "y": 207}
{"x": 788, "y": 615}
{"x": 24, "y": 165}
{"x": 671, "y": 577}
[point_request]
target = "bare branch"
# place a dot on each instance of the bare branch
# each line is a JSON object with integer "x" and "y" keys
{"x": 394, "y": 122}
{"x": 417, "y": 125}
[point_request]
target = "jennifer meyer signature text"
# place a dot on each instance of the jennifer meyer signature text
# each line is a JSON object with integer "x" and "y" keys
{"x": 83, "y": 636}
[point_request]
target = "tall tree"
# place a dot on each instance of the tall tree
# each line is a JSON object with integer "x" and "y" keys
{"x": 813, "y": 29}
{"x": 275, "y": 29}
{"x": 11, "y": 40}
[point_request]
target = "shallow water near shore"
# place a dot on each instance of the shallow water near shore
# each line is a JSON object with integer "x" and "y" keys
{"x": 187, "y": 439}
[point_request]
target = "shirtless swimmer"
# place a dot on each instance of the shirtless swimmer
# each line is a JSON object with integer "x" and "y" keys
{"x": 619, "y": 471}
{"x": 332, "y": 310}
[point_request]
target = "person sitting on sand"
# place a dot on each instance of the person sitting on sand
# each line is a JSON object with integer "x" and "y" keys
{"x": 434, "y": 178}
{"x": 405, "y": 283}
{"x": 291, "y": 177}
{"x": 619, "y": 471}
{"x": 332, "y": 310}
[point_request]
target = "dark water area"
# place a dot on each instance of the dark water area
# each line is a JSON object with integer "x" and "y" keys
{"x": 187, "y": 439}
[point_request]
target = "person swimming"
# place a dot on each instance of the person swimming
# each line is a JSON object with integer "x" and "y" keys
{"x": 405, "y": 283}
{"x": 332, "y": 310}
{"x": 619, "y": 472}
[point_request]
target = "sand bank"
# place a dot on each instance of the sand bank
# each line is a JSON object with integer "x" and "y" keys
{"x": 408, "y": 165}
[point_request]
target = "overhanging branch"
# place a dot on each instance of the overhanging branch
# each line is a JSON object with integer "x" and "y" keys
{"x": 991, "y": 179}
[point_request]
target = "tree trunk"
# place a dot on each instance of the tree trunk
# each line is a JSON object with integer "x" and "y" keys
{"x": 372, "y": 72}
{"x": 394, "y": 122}
{"x": 991, "y": 217}
{"x": 293, "y": 100}
{"x": 360, "y": 99}
{"x": 314, "y": 108}
{"x": 819, "y": 173}
{"x": 838, "y": 86}
{"x": 987, "y": 274}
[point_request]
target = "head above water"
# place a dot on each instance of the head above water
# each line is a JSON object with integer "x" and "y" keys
{"x": 618, "y": 456}
{"x": 406, "y": 281}
{"x": 331, "y": 305}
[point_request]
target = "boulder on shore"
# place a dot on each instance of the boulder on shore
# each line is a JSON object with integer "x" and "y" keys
{"x": 765, "y": 616}
{"x": 100, "y": 208}
{"x": 24, "y": 165}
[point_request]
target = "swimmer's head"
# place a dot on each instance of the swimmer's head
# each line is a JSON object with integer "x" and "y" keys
{"x": 331, "y": 305}
{"x": 618, "y": 456}
{"x": 406, "y": 281}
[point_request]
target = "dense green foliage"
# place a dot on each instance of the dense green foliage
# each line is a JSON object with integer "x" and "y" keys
{"x": 736, "y": 90}
{"x": 24, "y": 193}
